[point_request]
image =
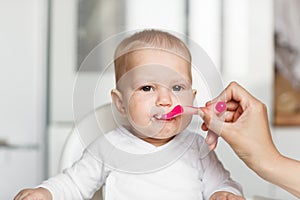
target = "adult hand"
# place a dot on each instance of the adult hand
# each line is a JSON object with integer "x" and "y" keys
{"x": 246, "y": 129}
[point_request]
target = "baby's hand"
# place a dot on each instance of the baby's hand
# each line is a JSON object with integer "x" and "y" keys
{"x": 225, "y": 196}
{"x": 34, "y": 194}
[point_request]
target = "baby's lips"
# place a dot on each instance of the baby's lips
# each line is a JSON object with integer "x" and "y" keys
{"x": 177, "y": 110}
{"x": 157, "y": 116}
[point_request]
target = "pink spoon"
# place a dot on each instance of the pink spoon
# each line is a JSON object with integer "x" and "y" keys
{"x": 179, "y": 110}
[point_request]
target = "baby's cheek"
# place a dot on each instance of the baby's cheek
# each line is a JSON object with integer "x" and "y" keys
{"x": 139, "y": 114}
{"x": 185, "y": 121}
{"x": 185, "y": 98}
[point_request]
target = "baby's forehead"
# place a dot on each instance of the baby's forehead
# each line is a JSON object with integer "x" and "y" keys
{"x": 153, "y": 74}
{"x": 158, "y": 54}
{"x": 158, "y": 57}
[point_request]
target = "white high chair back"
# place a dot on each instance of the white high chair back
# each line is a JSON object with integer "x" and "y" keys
{"x": 83, "y": 133}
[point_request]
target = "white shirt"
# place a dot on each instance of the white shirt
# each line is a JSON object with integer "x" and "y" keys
{"x": 187, "y": 176}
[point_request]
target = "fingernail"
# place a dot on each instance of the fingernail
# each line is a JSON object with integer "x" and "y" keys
{"x": 200, "y": 113}
{"x": 208, "y": 139}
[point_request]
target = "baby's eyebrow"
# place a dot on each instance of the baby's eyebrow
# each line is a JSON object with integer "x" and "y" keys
{"x": 181, "y": 80}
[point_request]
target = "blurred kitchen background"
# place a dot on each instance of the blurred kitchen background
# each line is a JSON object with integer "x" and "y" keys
{"x": 43, "y": 42}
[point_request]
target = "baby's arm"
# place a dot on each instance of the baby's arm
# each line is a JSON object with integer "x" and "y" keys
{"x": 80, "y": 181}
{"x": 34, "y": 194}
{"x": 225, "y": 196}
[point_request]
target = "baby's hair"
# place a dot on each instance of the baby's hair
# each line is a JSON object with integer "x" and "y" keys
{"x": 148, "y": 39}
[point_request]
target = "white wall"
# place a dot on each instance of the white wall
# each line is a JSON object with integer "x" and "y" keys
{"x": 23, "y": 93}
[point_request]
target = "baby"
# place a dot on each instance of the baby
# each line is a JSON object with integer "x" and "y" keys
{"x": 153, "y": 75}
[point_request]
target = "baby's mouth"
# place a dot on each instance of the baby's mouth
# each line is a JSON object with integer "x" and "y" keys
{"x": 176, "y": 111}
{"x": 161, "y": 117}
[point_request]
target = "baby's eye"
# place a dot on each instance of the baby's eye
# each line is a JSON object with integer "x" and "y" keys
{"x": 177, "y": 88}
{"x": 147, "y": 88}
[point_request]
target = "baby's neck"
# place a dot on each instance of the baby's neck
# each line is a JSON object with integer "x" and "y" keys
{"x": 157, "y": 142}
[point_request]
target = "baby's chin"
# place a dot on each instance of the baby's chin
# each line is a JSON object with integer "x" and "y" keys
{"x": 162, "y": 136}
{"x": 160, "y": 133}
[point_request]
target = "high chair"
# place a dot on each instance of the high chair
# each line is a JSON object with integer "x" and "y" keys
{"x": 99, "y": 121}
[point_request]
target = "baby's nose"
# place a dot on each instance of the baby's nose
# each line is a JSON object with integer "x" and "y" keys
{"x": 164, "y": 97}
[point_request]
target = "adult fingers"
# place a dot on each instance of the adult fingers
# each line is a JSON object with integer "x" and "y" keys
{"x": 211, "y": 140}
{"x": 234, "y": 93}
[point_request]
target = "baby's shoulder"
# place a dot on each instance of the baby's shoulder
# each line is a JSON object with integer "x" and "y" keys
{"x": 192, "y": 135}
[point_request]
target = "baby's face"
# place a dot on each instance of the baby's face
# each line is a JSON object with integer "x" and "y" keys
{"x": 155, "y": 82}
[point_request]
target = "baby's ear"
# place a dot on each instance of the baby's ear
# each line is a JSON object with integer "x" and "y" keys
{"x": 194, "y": 92}
{"x": 117, "y": 99}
